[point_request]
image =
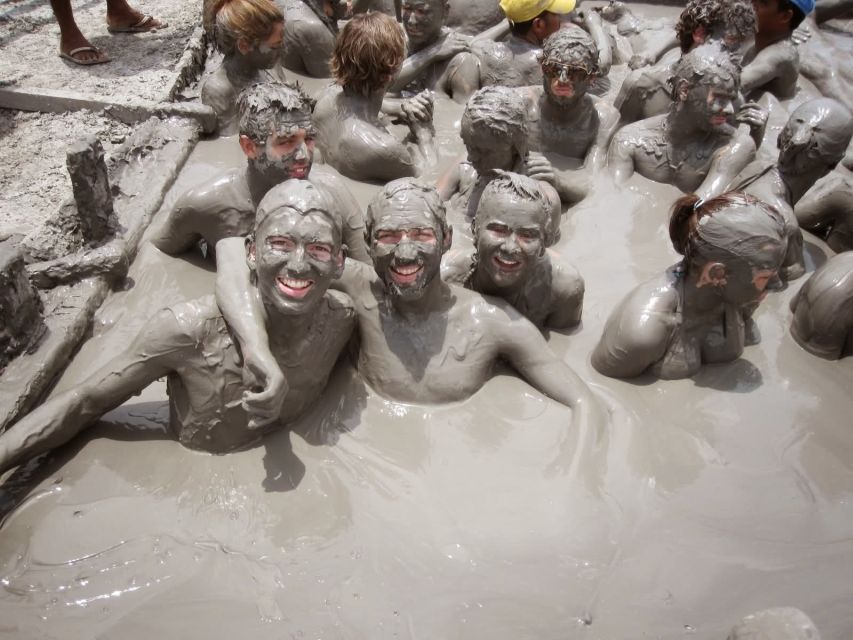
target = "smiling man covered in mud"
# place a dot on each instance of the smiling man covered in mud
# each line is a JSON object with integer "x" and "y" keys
{"x": 422, "y": 340}
{"x": 295, "y": 255}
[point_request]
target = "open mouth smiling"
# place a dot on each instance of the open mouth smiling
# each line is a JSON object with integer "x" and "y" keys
{"x": 294, "y": 287}
{"x": 506, "y": 264}
{"x": 405, "y": 273}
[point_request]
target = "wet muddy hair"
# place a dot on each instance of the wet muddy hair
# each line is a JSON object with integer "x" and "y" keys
{"x": 501, "y": 111}
{"x": 304, "y": 198}
{"x": 260, "y": 105}
{"x": 737, "y": 15}
{"x": 369, "y": 48}
{"x": 572, "y": 47}
{"x": 403, "y": 190}
{"x": 518, "y": 185}
{"x": 706, "y": 65}
{"x": 692, "y": 235}
{"x": 252, "y": 20}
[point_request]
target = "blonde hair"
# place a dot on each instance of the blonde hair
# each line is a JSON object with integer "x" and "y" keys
{"x": 252, "y": 20}
{"x": 368, "y": 49}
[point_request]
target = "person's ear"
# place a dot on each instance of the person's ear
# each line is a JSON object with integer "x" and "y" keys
{"x": 714, "y": 274}
{"x": 682, "y": 91}
{"x": 249, "y": 147}
{"x": 251, "y": 257}
{"x": 786, "y": 17}
{"x": 244, "y": 46}
{"x": 340, "y": 261}
{"x": 700, "y": 34}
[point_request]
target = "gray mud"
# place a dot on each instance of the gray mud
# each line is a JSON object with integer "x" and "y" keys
{"x": 711, "y": 498}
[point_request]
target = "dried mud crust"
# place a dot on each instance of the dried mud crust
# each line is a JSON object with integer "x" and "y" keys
{"x": 33, "y": 178}
{"x": 142, "y": 64}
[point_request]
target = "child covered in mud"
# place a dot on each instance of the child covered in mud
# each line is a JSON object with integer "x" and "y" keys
{"x": 510, "y": 260}
{"x": 494, "y": 130}
{"x": 422, "y": 340}
{"x": 296, "y": 252}
{"x": 249, "y": 34}
{"x": 670, "y": 326}
{"x": 277, "y": 138}
{"x": 310, "y": 29}
{"x": 696, "y": 145}
{"x": 354, "y": 139}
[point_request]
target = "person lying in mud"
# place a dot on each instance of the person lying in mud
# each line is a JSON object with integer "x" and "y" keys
{"x": 823, "y": 310}
{"x": 827, "y": 211}
{"x": 772, "y": 64}
{"x": 811, "y": 145}
{"x": 510, "y": 260}
{"x": 646, "y": 92}
{"x": 368, "y": 53}
{"x": 562, "y": 117}
{"x": 422, "y": 340}
{"x": 494, "y": 130}
{"x": 695, "y": 146}
{"x": 294, "y": 256}
{"x": 277, "y": 137}
{"x": 310, "y": 29}
{"x": 514, "y": 62}
{"x": 831, "y": 73}
{"x": 249, "y": 34}
{"x": 632, "y": 37}
{"x": 732, "y": 245}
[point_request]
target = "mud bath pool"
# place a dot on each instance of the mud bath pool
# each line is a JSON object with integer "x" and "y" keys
{"x": 708, "y": 499}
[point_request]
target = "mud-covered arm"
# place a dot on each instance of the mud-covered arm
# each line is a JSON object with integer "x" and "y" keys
{"x": 620, "y": 158}
{"x": 448, "y": 183}
{"x": 654, "y": 51}
{"x": 595, "y": 28}
{"x": 818, "y": 207}
{"x": 608, "y": 121}
{"x": 419, "y": 62}
{"x": 179, "y": 230}
{"x": 567, "y": 296}
{"x": 243, "y": 310}
{"x": 727, "y": 164}
{"x": 570, "y": 186}
{"x": 521, "y": 343}
{"x": 767, "y": 65}
{"x": 151, "y": 356}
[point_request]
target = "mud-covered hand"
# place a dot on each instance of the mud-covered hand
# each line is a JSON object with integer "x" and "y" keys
{"x": 755, "y": 117}
{"x": 265, "y": 391}
{"x": 419, "y": 108}
{"x": 801, "y": 34}
{"x": 454, "y": 43}
{"x": 538, "y": 167}
{"x": 640, "y": 60}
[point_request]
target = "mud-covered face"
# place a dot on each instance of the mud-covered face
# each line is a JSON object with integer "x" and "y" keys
{"x": 406, "y": 247}
{"x": 486, "y": 149}
{"x": 728, "y": 37}
{"x": 289, "y": 151}
{"x": 746, "y": 279}
{"x": 510, "y": 237}
{"x": 810, "y": 140}
{"x": 296, "y": 257}
{"x": 565, "y": 84}
{"x": 713, "y": 105}
{"x": 266, "y": 53}
{"x": 423, "y": 20}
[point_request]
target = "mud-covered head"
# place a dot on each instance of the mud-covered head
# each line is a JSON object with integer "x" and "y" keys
{"x": 782, "y": 623}
{"x": 423, "y": 20}
{"x": 705, "y": 85}
{"x": 251, "y": 28}
{"x": 512, "y": 227}
{"x": 494, "y": 129}
{"x": 368, "y": 53}
{"x": 407, "y": 233}
{"x": 815, "y": 138}
{"x": 614, "y": 11}
{"x": 569, "y": 61}
{"x": 276, "y": 132}
{"x": 296, "y": 249}
{"x": 729, "y": 21}
{"x": 734, "y": 243}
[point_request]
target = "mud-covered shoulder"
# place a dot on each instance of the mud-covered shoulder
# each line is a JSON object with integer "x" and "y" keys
{"x": 340, "y": 305}
{"x": 456, "y": 266}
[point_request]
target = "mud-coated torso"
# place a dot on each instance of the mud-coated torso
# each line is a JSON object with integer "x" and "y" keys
{"x": 513, "y": 63}
{"x": 304, "y": 35}
{"x": 571, "y": 137}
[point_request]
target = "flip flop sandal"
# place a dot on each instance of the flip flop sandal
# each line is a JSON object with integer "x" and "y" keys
{"x": 146, "y": 23}
{"x": 101, "y": 59}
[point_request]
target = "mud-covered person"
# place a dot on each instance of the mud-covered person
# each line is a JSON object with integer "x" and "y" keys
{"x": 296, "y": 252}
{"x": 692, "y": 315}
{"x": 310, "y": 29}
{"x": 421, "y": 339}
{"x": 563, "y": 117}
{"x": 249, "y": 35}
{"x": 510, "y": 259}
{"x": 277, "y": 138}
{"x": 811, "y": 144}
{"x": 645, "y": 91}
{"x": 772, "y": 64}
{"x": 431, "y": 46}
{"x": 514, "y": 62}
{"x": 696, "y": 145}
{"x": 494, "y": 130}
{"x": 351, "y": 130}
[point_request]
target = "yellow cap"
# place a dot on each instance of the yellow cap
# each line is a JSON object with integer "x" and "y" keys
{"x": 524, "y": 10}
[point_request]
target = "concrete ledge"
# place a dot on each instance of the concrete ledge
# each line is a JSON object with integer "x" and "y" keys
{"x": 144, "y": 171}
{"x": 191, "y": 64}
{"x": 128, "y": 111}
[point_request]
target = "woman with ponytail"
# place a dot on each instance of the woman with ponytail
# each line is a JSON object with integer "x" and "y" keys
{"x": 732, "y": 245}
{"x": 249, "y": 34}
